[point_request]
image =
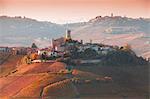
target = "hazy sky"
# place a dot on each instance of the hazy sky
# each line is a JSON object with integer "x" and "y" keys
{"x": 64, "y": 11}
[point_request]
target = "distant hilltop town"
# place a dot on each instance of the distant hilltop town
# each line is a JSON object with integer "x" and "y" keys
{"x": 73, "y": 51}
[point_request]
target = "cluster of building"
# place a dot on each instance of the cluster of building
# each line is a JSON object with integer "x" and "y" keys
{"x": 59, "y": 47}
{"x": 17, "y": 50}
{"x": 65, "y": 45}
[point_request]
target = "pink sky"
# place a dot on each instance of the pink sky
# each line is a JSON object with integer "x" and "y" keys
{"x": 64, "y": 11}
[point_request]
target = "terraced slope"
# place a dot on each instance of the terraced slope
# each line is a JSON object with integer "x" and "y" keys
{"x": 9, "y": 63}
{"x": 42, "y": 81}
{"x": 30, "y": 80}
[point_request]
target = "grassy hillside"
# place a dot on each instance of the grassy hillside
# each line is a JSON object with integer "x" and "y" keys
{"x": 9, "y": 63}
{"x": 129, "y": 81}
{"x": 40, "y": 80}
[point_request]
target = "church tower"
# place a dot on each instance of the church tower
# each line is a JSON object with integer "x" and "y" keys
{"x": 68, "y": 35}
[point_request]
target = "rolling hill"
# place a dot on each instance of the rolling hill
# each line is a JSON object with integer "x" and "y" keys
{"x": 41, "y": 80}
{"x": 38, "y": 80}
{"x": 17, "y": 31}
{"x": 116, "y": 30}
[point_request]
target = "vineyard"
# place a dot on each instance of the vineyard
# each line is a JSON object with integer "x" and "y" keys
{"x": 3, "y": 57}
{"x": 43, "y": 80}
{"x": 9, "y": 63}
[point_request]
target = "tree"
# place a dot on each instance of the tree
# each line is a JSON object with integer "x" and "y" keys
{"x": 90, "y": 53}
{"x": 26, "y": 60}
{"x": 127, "y": 47}
{"x": 33, "y": 56}
{"x": 34, "y": 45}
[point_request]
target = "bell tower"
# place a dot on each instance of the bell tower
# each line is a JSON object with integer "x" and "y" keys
{"x": 68, "y": 35}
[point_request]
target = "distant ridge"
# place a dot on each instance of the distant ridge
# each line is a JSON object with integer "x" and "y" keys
{"x": 114, "y": 30}
{"x": 18, "y": 31}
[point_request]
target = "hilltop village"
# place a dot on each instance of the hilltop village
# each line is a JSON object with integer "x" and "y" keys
{"x": 73, "y": 51}
{"x": 71, "y": 69}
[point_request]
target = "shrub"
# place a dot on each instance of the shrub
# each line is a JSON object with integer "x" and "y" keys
{"x": 122, "y": 57}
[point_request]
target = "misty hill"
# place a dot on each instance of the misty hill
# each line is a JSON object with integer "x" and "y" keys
{"x": 112, "y": 25}
{"x": 116, "y": 30}
{"x": 23, "y": 31}
{"x": 116, "y": 24}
